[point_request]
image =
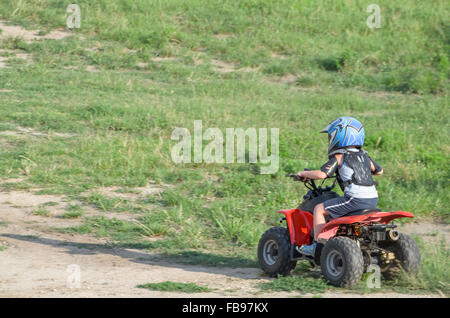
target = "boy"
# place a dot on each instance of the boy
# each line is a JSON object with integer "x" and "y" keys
{"x": 354, "y": 169}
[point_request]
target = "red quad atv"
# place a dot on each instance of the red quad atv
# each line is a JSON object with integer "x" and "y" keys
{"x": 346, "y": 246}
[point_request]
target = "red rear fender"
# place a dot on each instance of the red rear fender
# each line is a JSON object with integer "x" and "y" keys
{"x": 330, "y": 229}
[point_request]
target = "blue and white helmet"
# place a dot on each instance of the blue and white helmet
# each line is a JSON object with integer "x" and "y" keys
{"x": 344, "y": 132}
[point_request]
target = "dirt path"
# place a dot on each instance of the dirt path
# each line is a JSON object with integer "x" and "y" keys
{"x": 36, "y": 260}
{"x": 35, "y": 264}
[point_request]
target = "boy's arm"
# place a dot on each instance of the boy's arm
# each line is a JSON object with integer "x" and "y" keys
{"x": 326, "y": 171}
{"x": 314, "y": 174}
{"x": 375, "y": 167}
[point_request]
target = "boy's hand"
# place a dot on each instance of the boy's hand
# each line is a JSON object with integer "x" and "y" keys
{"x": 302, "y": 175}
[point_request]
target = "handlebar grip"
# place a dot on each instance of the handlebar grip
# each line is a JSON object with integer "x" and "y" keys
{"x": 293, "y": 176}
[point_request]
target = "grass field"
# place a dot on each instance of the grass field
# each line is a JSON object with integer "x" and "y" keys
{"x": 177, "y": 287}
{"x": 104, "y": 101}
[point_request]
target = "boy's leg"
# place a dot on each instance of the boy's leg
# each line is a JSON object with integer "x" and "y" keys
{"x": 319, "y": 219}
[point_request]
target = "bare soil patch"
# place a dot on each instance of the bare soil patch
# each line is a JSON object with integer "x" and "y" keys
{"x": 163, "y": 59}
{"x": 288, "y": 79}
{"x": 279, "y": 56}
{"x": 222, "y": 67}
{"x": 222, "y": 36}
{"x": 27, "y": 131}
{"x": 92, "y": 69}
{"x": 133, "y": 193}
{"x": 427, "y": 231}
{"x": 2, "y": 61}
{"x": 9, "y": 30}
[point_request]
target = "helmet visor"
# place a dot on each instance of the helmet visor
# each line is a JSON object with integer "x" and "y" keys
{"x": 325, "y": 129}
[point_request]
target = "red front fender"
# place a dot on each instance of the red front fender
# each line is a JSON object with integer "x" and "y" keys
{"x": 300, "y": 224}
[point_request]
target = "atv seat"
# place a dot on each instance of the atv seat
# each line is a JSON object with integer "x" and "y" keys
{"x": 362, "y": 212}
{"x": 356, "y": 212}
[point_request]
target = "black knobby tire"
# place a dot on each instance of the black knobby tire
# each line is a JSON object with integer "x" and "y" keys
{"x": 342, "y": 262}
{"x": 407, "y": 257}
{"x": 274, "y": 252}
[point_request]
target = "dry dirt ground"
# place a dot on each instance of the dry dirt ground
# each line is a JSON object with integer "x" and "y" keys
{"x": 10, "y": 30}
{"x": 36, "y": 260}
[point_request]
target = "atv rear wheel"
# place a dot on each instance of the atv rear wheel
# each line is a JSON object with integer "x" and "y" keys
{"x": 407, "y": 257}
{"x": 273, "y": 252}
{"x": 342, "y": 262}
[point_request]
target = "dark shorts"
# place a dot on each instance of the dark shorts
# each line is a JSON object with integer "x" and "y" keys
{"x": 341, "y": 206}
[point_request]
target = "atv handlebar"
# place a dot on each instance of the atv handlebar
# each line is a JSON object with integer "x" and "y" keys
{"x": 294, "y": 177}
{"x": 311, "y": 184}
{"x": 306, "y": 181}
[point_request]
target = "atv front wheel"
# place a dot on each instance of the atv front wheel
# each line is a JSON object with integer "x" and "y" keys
{"x": 273, "y": 252}
{"x": 342, "y": 262}
{"x": 407, "y": 257}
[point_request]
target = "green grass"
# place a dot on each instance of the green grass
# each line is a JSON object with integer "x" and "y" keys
{"x": 122, "y": 231}
{"x": 41, "y": 211}
{"x": 73, "y": 211}
{"x": 305, "y": 285}
{"x": 118, "y": 121}
{"x": 50, "y": 203}
{"x": 175, "y": 287}
{"x": 2, "y": 248}
{"x": 304, "y": 279}
{"x": 239, "y": 260}
{"x": 104, "y": 203}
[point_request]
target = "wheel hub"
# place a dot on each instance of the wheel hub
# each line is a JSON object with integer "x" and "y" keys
{"x": 335, "y": 263}
{"x": 270, "y": 252}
